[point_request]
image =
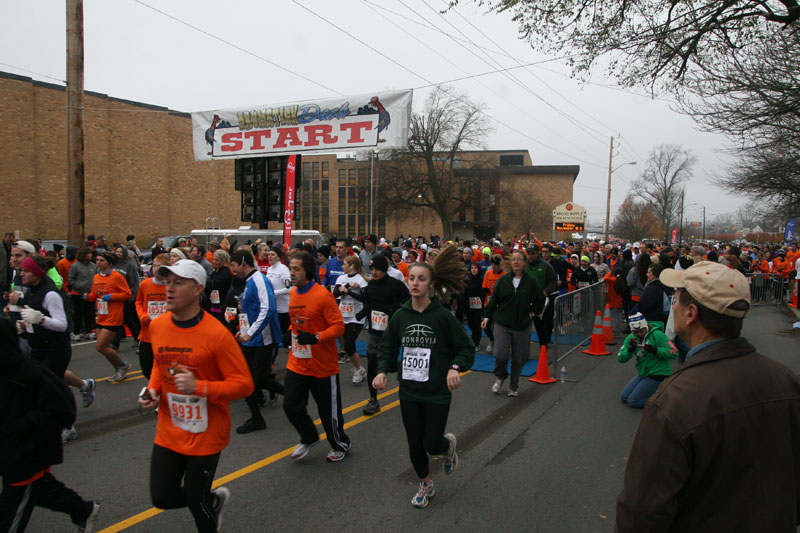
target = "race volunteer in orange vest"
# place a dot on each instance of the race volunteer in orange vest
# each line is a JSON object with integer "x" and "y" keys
{"x": 198, "y": 370}
{"x": 151, "y": 302}
{"x": 109, "y": 292}
{"x": 313, "y": 366}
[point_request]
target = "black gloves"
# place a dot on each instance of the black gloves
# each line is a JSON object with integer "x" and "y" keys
{"x": 633, "y": 344}
{"x": 649, "y": 348}
{"x": 303, "y": 337}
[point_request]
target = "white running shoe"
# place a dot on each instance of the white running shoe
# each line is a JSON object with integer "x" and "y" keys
{"x": 424, "y": 493}
{"x": 88, "y": 392}
{"x": 120, "y": 373}
{"x": 68, "y": 434}
{"x": 222, "y": 495}
{"x": 451, "y": 455}
{"x": 489, "y": 347}
{"x": 301, "y": 450}
{"x": 359, "y": 375}
{"x": 74, "y": 337}
{"x": 498, "y": 385}
{"x": 513, "y": 393}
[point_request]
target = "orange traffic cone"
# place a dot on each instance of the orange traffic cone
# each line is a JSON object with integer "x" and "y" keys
{"x": 128, "y": 332}
{"x": 608, "y": 331}
{"x": 542, "y": 372}
{"x": 597, "y": 346}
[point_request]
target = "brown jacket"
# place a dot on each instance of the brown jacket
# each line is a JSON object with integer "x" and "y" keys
{"x": 718, "y": 448}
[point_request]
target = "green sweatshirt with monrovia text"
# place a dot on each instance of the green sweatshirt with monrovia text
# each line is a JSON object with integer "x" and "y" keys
{"x": 428, "y": 342}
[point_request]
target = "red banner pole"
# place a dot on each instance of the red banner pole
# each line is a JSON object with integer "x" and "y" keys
{"x": 288, "y": 214}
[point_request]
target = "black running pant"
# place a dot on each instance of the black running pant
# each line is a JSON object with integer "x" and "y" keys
{"x": 425, "y": 424}
{"x": 131, "y": 319}
{"x": 259, "y": 359}
{"x": 544, "y": 325}
{"x": 146, "y": 358}
{"x": 326, "y": 393}
{"x": 474, "y": 317}
{"x": 16, "y": 503}
{"x": 82, "y": 314}
{"x": 168, "y": 469}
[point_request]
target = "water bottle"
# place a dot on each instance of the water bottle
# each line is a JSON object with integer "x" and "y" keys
{"x": 563, "y": 374}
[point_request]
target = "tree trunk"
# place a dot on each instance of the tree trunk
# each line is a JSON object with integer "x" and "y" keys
{"x": 447, "y": 225}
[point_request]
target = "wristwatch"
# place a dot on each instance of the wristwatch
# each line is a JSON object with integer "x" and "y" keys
{"x": 455, "y": 367}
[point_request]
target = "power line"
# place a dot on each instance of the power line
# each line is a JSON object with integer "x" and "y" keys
{"x": 362, "y": 42}
{"x": 237, "y": 47}
{"x": 33, "y": 72}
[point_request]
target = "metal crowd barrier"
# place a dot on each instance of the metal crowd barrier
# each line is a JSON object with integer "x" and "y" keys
{"x": 767, "y": 289}
{"x": 574, "y": 319}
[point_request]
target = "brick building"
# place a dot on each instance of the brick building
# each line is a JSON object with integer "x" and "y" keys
{"x": 141, "y": 177}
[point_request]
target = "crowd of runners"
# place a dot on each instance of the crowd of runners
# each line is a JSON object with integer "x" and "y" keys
{"x": 207, "y": 326}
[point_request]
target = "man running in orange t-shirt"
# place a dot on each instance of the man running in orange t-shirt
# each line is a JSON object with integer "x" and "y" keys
{"x": 198, "y": 369}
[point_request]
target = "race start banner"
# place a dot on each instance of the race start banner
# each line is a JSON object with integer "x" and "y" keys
{"x": 288, "y": 214}
{"x": 788, "y": 235}
{"x": 347, "y": 123}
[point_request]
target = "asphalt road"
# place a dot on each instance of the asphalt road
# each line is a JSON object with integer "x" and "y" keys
{"x": 550, "y": 460}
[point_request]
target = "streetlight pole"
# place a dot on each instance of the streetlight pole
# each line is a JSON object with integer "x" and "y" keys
{"x": 611, "y": 171}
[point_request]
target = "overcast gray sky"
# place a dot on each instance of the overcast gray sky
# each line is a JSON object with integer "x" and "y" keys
{"x": 294, "y": 50}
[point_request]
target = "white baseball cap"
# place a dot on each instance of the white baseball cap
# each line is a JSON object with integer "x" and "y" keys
{"x": 185, "y": 268}
{"x": 712, "y": 284}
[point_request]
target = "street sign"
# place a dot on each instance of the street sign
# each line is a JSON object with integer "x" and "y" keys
{"x": 569, "y": 226}
{"x": 569, "y": 212}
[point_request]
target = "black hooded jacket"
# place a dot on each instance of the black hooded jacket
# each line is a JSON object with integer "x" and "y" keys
{"x": 35, "y": 405}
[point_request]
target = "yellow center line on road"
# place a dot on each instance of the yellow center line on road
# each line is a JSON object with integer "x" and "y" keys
{"x": 249, "y": 469}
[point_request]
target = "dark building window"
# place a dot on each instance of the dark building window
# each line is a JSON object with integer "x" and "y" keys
{"x": 512, "y": 160}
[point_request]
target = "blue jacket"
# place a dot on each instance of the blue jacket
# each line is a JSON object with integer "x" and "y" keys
{"x": 258, "y": 303}
{"x": 334, "y": 271}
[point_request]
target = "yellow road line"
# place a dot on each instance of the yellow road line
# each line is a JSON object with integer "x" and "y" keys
{"x": 249, "y": 469}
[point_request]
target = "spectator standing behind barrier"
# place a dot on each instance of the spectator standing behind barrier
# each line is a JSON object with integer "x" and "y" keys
{"x": 718, "y": 445}
{"x": 653, "y": 352}
{"x": 546, "y": 275}
{"x": 655, "y": 301}
{"x": 81, "y": 275}
{"x": 516, "y": 299}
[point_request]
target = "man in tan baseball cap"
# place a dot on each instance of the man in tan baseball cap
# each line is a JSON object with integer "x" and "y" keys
{"x": 718, "y": 446}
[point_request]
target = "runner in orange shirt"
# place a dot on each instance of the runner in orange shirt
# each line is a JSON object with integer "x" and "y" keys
{"x": 109, "y": 293}
{"x": 313, "y": 366}
{"x": 151, "y": 302}
{"x": 198, "y": 370}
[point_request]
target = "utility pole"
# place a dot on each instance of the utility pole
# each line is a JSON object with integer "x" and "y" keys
{"x": 680, "y": 229}
{"x": 608, "y": 196}
{"x": 704, "y": 223}
{"x": 76, "y": 215}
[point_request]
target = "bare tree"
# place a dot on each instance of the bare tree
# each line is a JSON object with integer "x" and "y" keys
{"x": 636, "y": 220}
{"x": 747, "y": 217}
{"x": 647, "y": 42}
{"x": 526, "y": 214}
{"x": 424, "y": 176}
{"x": 661, "y": 183}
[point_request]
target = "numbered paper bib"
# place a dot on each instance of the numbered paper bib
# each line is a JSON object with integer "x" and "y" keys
{"x": 379, "y": 320}
{"x": 301, "y": 351}
{"x": 214, "y": 297}
{"x": 475, "y": 302}
{"x": 416, "y": 363}
{"x": 348, "y": 309}
{"x": 188, "y": 412}
{"x": 244, "y": 323}
{"x": 155, "y": 308}
{"x": 101, "y": 306}
{"x": 230, "y": 314}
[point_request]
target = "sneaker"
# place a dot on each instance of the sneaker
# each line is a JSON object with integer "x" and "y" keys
{"x": 489, "y": 347}
{"x": 372, "y": 407}
{"x": 74, "y": 337}
{"x": 88, "y": 392}
{"x": 221, "y": 497}
{"x": 120, "y": 373}
{"x": 273, "y": 398}
{"x": 334, "y": 456}
{"x": 301, "y": 450}
{"x": 359, "y": 375}
{"x": 477, "y": 349}
{"x": 343, "y": 358}
{"x": 498, "y": 384}
{"x": 424, "y": 493}
{"x": 88, "y": 524}
{"x": 91, "y": 336}
{"x": 68, "y": 434}
{"x": 252, "y": 424}
{"x": 513, "y": 393}
{"x": 451, "y": 456}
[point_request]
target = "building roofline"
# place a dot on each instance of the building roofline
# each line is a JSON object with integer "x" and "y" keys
{"x": 59, "y": 87}
{"x": 572, "y": 170}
